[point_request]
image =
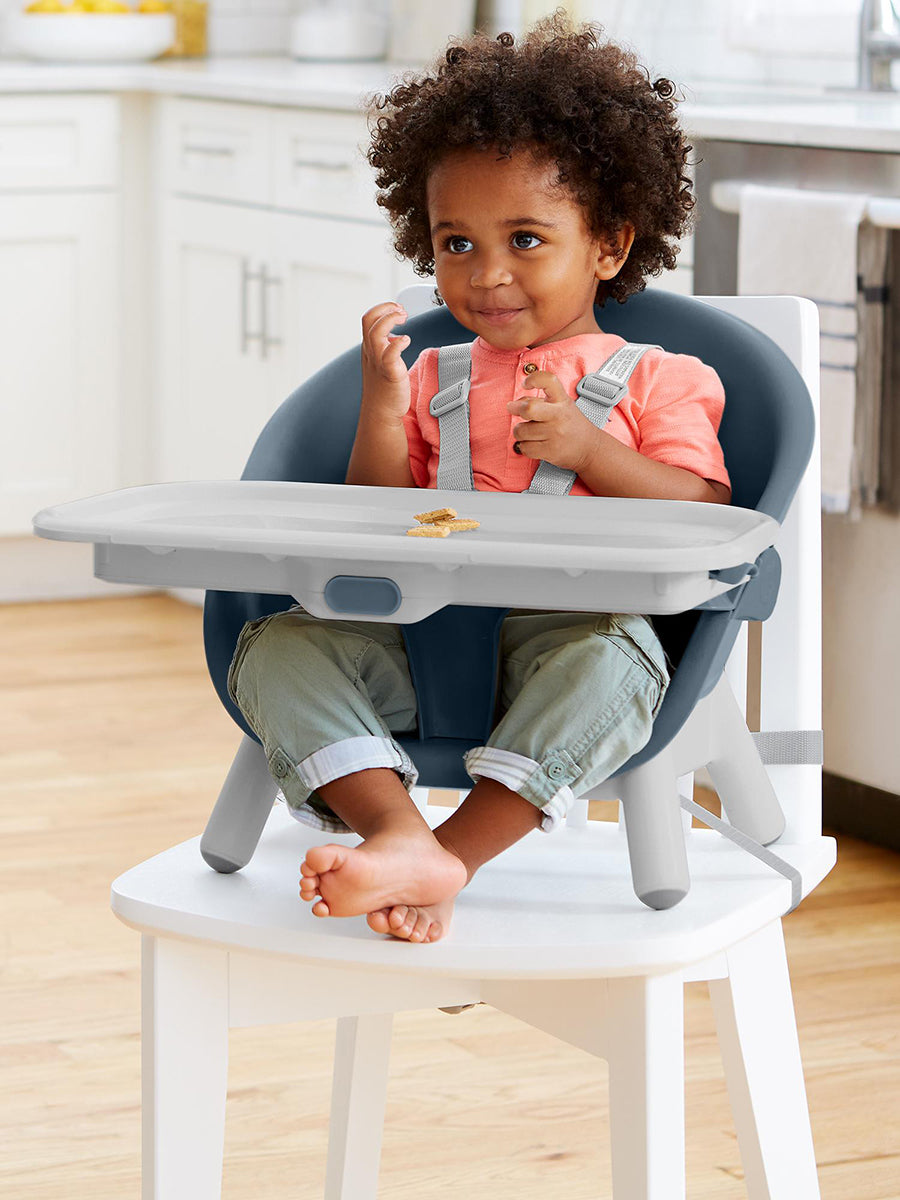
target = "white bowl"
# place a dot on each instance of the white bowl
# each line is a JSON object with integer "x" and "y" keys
{"x": 92, "y": 37}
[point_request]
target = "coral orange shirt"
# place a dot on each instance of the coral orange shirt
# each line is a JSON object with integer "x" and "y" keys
{"x": 672, "y": 411}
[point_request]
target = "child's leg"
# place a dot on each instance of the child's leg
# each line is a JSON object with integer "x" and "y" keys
{"x": 324, "y": 698}
{"x": 580, "y": 692}
{"x": 399, "y": 862}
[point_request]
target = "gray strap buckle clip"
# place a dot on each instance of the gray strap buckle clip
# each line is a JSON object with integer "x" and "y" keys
{"x": 449, "y": 398}
{"x": 607, "y": 392}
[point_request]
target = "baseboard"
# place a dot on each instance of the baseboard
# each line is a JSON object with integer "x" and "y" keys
{"x": 33, "y": 568}
{"x": 861, "y": 811}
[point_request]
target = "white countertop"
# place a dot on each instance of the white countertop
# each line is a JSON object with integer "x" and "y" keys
{"x": 739, "y": 112}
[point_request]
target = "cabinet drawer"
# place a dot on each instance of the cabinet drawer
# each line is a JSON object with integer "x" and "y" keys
{"x": 58, "y": 141}
{"x": 221, "y": 151}
{"x": 320, "y": 165}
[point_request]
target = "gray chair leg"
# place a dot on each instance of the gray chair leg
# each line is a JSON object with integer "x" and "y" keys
{"x": 242, "y": 809}
{"x": 740, "y": 778}
{"x": 652, "y": 811}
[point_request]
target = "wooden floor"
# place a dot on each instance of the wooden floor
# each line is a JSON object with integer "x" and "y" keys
{"x": 113, "y": 747}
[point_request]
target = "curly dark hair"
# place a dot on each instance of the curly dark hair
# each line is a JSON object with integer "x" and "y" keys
{"x": 568, "y": 96}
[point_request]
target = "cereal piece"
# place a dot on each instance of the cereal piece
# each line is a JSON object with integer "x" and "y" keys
{"x": 436, "y": 514}
{"x": 460, "y": 524}
{"x": 429, "y": 531}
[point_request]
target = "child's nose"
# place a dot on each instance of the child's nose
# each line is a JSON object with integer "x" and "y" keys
{"x": 489, "y": 271}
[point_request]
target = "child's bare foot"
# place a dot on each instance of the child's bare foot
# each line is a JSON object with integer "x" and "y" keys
{"x": 397, "y": 866}
{"x": 420, "y": 923}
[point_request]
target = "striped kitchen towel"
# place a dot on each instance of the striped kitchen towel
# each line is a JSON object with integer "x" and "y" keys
{"x": 799, "y": 242}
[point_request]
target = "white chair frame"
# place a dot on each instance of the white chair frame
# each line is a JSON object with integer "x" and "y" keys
{"x": 222, "y": 951}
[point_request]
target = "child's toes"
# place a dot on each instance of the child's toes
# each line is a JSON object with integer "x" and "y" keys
{"x": 321, "y": 909}
{"x": 309, "y": 887}
{"x": 434, "y": 933}
{"x": 379, "y": 920}
{"x": 320, "y": 859}
{"x": 397, "y": 917}
{"x": 420, "y": 929}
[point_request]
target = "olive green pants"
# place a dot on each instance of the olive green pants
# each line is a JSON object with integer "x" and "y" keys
{"x": 579, "y": 694}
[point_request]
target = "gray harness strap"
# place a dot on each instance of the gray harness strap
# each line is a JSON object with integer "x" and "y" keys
{"x": 451, "y": 407}
{"x": 598, "y": 394}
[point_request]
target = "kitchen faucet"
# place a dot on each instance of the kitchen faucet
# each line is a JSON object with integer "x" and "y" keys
{"x": 879, "y": 43}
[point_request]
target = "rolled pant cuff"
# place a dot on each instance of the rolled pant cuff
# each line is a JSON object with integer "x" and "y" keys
{"x": 526, "y": 777}
{"x": 334, "y": 761}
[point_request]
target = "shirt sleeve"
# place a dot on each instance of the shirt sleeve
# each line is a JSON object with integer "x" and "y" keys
{"x": 681, "y": 419}
{"x": 419, "y": 450}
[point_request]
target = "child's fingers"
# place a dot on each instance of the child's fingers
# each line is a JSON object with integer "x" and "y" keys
{"x": 533, "y": 408}
{"x": 548, "y": 382}
{"x": 380, "y": 312}
{"x": 378, "y": 333}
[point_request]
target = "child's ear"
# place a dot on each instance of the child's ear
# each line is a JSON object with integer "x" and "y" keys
{"x": 613, "y": 250}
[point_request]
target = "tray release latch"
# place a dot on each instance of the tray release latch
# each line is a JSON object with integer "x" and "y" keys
{"x": 370, "y": 594}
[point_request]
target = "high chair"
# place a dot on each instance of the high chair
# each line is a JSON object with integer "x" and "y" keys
{"x": 235, "y": 946}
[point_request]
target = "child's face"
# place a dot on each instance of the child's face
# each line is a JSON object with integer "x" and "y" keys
{"x": 514, "y": 259}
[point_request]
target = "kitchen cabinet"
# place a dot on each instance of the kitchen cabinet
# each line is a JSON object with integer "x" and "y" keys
{"x": 271, "y": 249}
{"x": 59, "y": 418}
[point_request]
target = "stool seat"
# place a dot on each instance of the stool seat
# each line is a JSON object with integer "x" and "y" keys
{"x": 558, "y": 905}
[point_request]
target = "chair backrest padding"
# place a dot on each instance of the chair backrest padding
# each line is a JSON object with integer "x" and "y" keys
{"x": 766, "y": 435}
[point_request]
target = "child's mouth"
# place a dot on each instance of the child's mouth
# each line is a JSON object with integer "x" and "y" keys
{"x": 498, "y": 316}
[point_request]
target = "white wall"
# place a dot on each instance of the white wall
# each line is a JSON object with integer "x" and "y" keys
{"x": 767, "y": 41}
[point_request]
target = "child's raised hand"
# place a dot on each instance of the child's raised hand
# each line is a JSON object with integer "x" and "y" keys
{"x": 555, "y": 429}
{"x": 384, "y": 374}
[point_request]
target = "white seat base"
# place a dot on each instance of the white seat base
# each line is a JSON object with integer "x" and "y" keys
{"x": 552, "y": 906}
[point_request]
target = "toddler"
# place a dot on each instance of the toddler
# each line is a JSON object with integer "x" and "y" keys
{"x": 533, "y": 181}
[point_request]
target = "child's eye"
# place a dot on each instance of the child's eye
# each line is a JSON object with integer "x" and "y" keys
{"x": 449, "y": 243}
{"x": 532, "y": 236}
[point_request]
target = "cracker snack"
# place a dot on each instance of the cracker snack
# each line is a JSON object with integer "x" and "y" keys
{"x": 429, "y": 531}
{"x": 436, "y": 514}
{"x": 440, "y": 522}
{"x": 460, "y": 524}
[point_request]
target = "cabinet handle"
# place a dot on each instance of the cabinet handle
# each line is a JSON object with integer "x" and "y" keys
{"x": 267, "y": 282}
{"x": 321, "y": 165}
{"x": 248, "y": 277}
{"x": 211, "y": 151}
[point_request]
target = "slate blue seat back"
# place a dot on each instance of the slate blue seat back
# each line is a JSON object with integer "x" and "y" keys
{"x": 766, "y": 434}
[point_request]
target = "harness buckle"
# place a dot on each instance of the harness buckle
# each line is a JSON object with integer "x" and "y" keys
{"x": 607, "y": 392}
{"x": 449, "y": 398}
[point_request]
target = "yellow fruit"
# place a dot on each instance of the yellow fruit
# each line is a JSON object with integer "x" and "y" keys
{"x": 155, "y": 6}
{"x": 46, "y": 6}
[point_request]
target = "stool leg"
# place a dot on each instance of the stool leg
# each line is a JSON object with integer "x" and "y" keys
{"x": 740, "y": 778}
{"x": 184, "y": 1069}
{"x": 652, "y": 813}
{"x": 241, "y": 811}
{"x": 758, "y": 1037}
{"x": 646, "y": 1087}
{"x": 361, "y": 1055}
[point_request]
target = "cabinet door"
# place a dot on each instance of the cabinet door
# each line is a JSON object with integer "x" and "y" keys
{"x": 216, "y": 385}
{"x": 326, "y": 273}
{"x": 59, "y": 431}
